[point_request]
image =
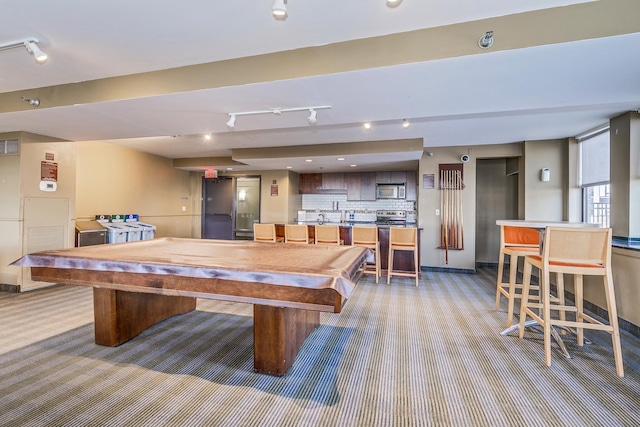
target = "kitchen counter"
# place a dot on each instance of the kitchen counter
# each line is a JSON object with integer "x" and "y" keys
{"x": 350, "y": 224}
{"x": 403, "y": 260}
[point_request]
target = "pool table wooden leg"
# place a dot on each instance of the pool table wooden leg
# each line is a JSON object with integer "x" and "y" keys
{"x": 278, "y": 334}
{"x": 120, "y": 316}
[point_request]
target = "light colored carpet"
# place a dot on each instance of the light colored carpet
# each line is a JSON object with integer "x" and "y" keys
{"x": 397, "y": 356}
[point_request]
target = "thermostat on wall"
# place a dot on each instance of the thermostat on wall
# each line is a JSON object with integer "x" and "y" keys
{"x": 48, "y": 186}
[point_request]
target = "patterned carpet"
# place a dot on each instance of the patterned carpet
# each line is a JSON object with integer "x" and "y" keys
{"x": 396, "y": 356}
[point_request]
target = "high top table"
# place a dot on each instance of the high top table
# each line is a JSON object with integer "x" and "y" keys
{"x": 541, "y": 226}
{"x": 138, "y": 284}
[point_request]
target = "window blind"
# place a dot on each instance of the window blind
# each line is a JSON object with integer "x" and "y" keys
{"x": 594, "y": 154}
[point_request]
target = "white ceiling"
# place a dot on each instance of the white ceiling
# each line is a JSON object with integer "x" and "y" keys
{"x": 495, "y": 96}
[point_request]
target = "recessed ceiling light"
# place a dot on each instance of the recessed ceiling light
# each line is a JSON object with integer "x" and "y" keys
{"x": 340, "y": 158}
{"x": 289, "y": 167}
{"x": 405, "y": 123}
{"x": 367, "y": 125}
{"x": 207, "y": 136}
{"x": 229, "y": 169}
{"x": 353, "y": 166}
{"x": 308, "y": 160}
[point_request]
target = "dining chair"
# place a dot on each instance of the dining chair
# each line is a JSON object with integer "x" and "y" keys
{"x": 328, "y": 235}
{"x": 581, "y": 252}
{"x": 265, "y": 233}
{"x": 515, "y": 242}
{"x": 368, "y": 238}
{"x": 403, "y": 239}
{"x": 297, "y": 233}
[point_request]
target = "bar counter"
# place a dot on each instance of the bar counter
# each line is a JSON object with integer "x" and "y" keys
{"x": 402, "y": 260}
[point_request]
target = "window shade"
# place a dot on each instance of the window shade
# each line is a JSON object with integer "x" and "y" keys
{"x": 594, "y": 152}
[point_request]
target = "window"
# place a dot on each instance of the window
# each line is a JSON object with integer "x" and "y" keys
{"x": 594, "y": 176}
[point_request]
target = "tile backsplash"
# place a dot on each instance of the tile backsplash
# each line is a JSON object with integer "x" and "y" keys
{"x": 325, "y": 202}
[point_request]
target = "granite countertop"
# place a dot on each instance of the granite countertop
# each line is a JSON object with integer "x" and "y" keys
{"x": 626, "y": 244}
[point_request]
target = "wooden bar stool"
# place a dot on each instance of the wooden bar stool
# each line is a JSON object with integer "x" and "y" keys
{"x": 368, "y": 237}
{"x": 403, "y": 239}
{"x": 297, "y": 233}
{"x": 265, "y": 233}
{"x": 328, "y": 235}
{"x": 577, "y": 251}
{"x": 514, "y": 242}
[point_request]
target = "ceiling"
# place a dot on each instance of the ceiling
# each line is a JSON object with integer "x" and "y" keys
{"x": 155, "y": 77}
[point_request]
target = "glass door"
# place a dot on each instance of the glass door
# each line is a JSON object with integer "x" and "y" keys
{"x": 247, "y": 200}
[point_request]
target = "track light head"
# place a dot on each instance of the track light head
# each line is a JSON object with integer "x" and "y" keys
{"x": 312, "y": 116}
{"x": 393, "y": 3}
{"x": 367, "y": 125}
{"x": 279, "y": 9}
{"x": 232, "y": 121}
{"x": 33, "y": 49}
{"x": 405, "y": 123}
{"x": 486, "y": 41}
{"x": 33, "y": 101}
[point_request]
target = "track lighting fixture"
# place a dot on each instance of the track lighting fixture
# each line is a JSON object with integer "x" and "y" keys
{"x": 33, "y": 101}
{"x": 232, "y": 121}
{"x": 279, "y": 9}
{"x": 312, "y": 119}
{"x": 312, "y": 116}
{"x": 486, "y": 41}
{"x": 405, "y": 123}
{"x": 37, "y": 53}
{"x": 32, "y": 47}
{"x": 367, "y": 125}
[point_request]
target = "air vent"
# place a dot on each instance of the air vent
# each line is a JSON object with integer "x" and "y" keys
{"x": 9, "y": 147}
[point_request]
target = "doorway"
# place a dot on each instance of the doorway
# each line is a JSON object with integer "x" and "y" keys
{"x": 230, "y": 207}
{"x": 496, "y": 198}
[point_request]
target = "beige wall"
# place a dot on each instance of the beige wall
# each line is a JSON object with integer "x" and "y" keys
{"x": 545, "y": 200}
{"x": 31, "y": 219}
{"x": 625, "y": 175}
{"x": 117, "y": 180}
{"x": 284, "y": 207}
{"x": 10, "y": 220}
{"x": 429, "y": 201}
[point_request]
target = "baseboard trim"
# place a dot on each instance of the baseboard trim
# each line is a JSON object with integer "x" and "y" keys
{"x": 448, "y": 270}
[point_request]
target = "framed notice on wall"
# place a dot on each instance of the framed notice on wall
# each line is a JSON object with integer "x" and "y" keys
{"x": 274, "y": 190}
{"x": 428, "y": 180}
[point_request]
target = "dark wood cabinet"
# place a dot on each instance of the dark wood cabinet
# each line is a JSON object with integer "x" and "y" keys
{"x": 358, "y": 186}
{"x": 309, "y": 183}
{"x": 354, "y": 186}
{"x": 361, "y": 186}
{"x": 333, "y": 181}
{"x": 368, "y": 186}
{"x": 322, "y": 183}
{"x": 411, "y": 186}
{"x": 391, "y": 177}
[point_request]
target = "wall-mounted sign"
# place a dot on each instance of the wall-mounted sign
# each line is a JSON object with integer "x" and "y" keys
{"x": 428, "y": 180}
{"x": 49, "y": 156}
{"x": 48, "y": 171}
{"x": 48, "y": 176}
{"x": 274, "y": 190}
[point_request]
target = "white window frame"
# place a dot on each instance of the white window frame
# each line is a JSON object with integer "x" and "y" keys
{"x": 596, "y": 212}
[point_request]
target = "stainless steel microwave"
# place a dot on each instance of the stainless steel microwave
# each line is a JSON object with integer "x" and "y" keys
{"x": 390, "y": 191}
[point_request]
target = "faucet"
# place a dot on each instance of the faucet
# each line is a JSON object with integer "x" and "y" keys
{"x": 321, "y": 218}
